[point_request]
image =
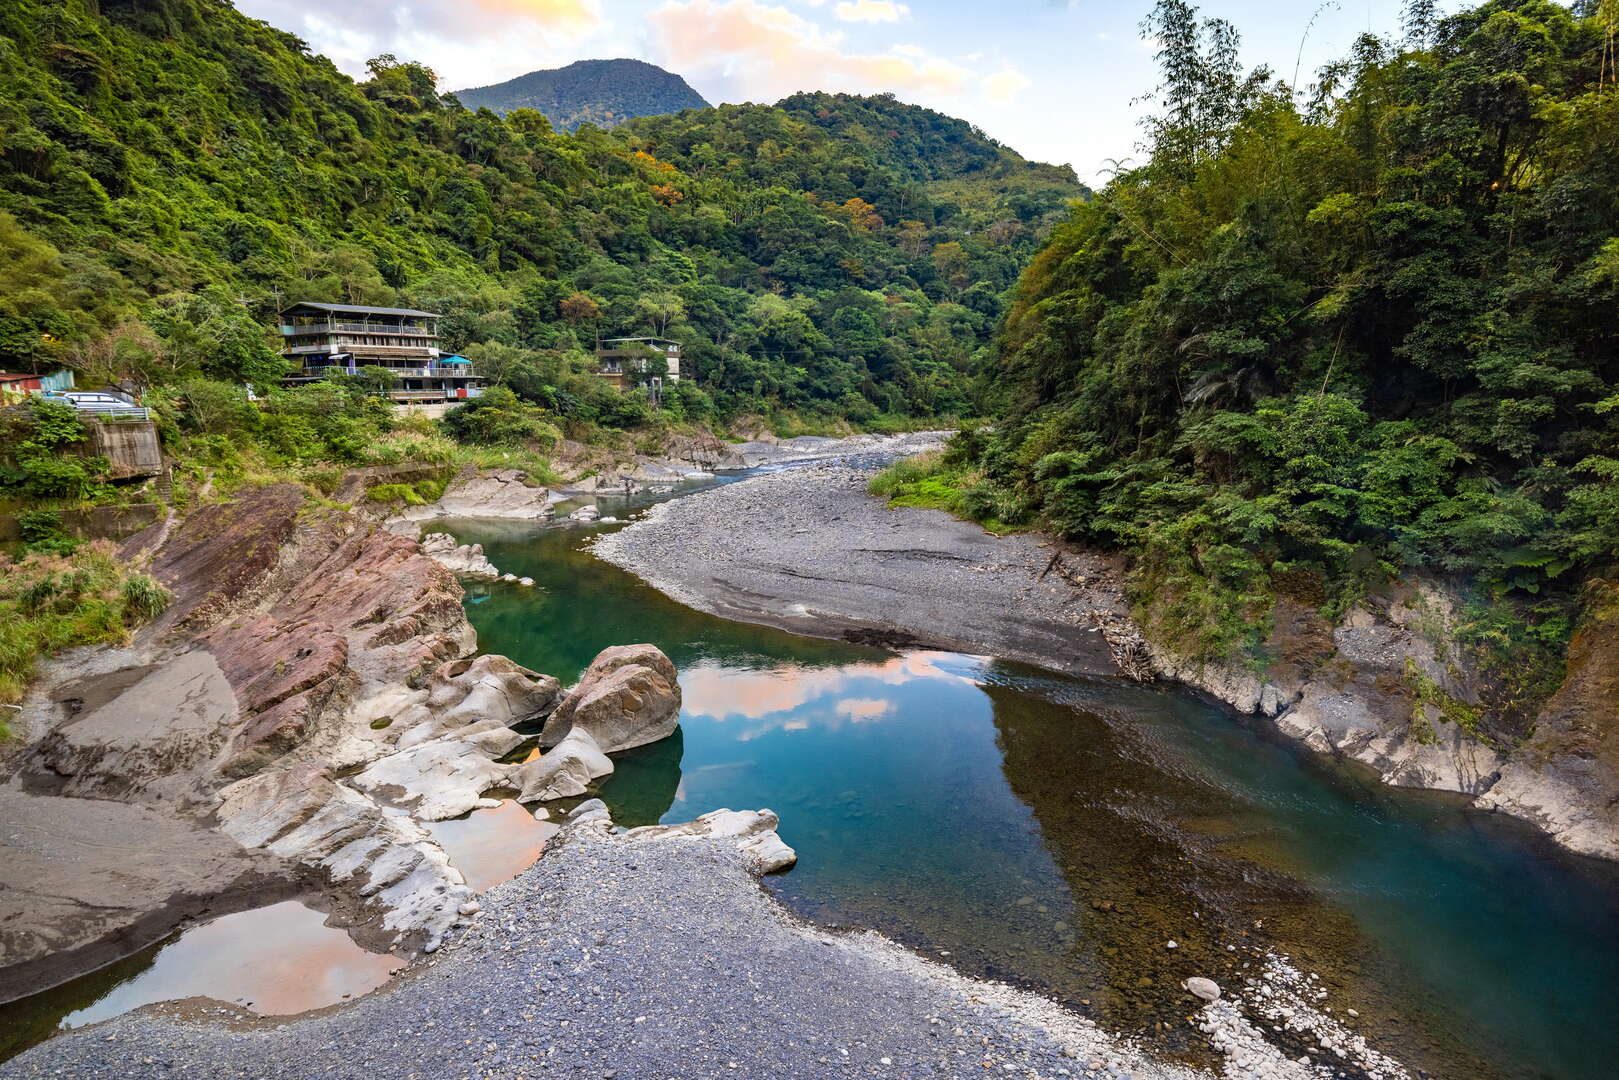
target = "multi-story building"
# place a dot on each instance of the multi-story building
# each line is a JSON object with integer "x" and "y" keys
{"x": 618, "y": 358}
{"x": 322, "y": 338}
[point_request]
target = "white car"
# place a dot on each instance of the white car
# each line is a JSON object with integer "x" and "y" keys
{"x": 100, "y": 402}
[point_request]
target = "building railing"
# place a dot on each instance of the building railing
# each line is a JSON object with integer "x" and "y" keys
{"x": 437, "y": 371}
{"x": 105, "y": 410}
{"x": 410, "y": 329}
{"x": 357, "y": 349}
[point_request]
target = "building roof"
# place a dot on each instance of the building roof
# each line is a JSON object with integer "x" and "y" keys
{"x": 616, "y": 340}
{"x": 357, "y": 309}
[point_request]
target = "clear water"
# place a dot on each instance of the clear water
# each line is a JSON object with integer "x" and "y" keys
{"x": 1056, "y": 832}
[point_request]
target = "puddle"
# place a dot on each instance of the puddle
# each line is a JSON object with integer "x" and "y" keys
{"x": 274, "y": 960}
{"x": 494, "y": 845}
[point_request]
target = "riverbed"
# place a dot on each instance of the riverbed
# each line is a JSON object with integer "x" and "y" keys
{"x": 1052, "y": 831}
{"x": 1059, "y": 832}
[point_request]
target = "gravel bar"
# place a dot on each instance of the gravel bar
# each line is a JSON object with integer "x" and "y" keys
{"x": 627, "y": 959}
{"x": 807, "y": 549}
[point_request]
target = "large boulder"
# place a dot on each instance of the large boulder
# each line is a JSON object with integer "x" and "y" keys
{"x": 629, "y": 696}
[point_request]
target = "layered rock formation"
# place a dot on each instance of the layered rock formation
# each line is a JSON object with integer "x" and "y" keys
{"x": 301, "y": 709}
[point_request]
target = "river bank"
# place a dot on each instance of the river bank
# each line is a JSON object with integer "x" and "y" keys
{"x": 603, "y": 960}
{"x": 809, "y": 550}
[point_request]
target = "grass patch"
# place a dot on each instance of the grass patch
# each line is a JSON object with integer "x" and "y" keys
{"x": 50, "y": 602}
{"x": 934, "y": 481}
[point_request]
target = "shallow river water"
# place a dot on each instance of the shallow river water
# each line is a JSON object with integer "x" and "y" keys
{"x": 1057, "y": 833}
{"x": 1048, "y": 831}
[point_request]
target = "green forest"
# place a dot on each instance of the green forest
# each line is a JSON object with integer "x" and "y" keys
{"x": 1319, "y": 339}
{"x": 171, "y": 172}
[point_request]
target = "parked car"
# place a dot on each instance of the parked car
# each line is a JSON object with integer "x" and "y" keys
{"x": 109, "y": 403}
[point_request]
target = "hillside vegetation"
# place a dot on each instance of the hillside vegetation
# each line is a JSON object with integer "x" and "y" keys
{"x": 600, "y": 92}
{"x": 171, "y": 171}
{"x": 1310, "y": 345}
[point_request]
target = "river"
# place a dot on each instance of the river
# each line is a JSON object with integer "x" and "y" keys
{"x": 1045, "y": 830}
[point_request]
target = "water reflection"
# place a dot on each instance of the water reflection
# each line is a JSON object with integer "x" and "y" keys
{"x": 493, "y": 845}
{"x": 274, "y": 960}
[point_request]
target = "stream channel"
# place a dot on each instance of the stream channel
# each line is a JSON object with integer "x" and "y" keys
{"x": 1044, "y": 830}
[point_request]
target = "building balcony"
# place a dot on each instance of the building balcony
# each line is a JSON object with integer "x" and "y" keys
{"x": 433, "y": 371}
{"x": 384, "y": 351}
{"x": 405, "y": 330}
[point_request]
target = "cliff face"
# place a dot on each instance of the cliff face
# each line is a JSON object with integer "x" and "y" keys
{"x": 1386, "y": 688}
{"x": 304, "y": 648}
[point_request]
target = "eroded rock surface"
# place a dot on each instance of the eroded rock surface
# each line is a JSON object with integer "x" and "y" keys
{"x": 1566, "y": 777}
{"x": 629, "y": 696}
{"x": 466, "y": 559}
{"x": 1381, "y": 688}
{"x": 304, "y": 696}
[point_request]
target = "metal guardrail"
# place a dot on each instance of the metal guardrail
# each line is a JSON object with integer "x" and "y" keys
{"x": 107, "y": 411}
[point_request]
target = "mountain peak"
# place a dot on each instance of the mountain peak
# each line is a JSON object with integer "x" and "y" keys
{"x": 601, "y": 92}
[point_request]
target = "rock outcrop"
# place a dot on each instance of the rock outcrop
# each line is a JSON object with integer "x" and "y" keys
{"x": 1382, "y": 688}
{"x": 1565, "y": 778}
{"x": 629, "y": 696}
{"x": 465, "y": 559}
{"x": 302, "y": 702}
{"x": 498, "y": 493}
{"x": 1386, "y": 687}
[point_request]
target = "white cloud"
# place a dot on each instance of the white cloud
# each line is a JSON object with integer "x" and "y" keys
{"x": 1005, "y": 85}
{"x": 745, "y": 50}
{"x": 870, "y": 11}
{"x": 452, "y": 38}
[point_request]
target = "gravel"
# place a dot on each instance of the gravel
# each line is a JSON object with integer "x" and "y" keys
{"x": 608, "y": 958}
{"x": 807, "y": 549}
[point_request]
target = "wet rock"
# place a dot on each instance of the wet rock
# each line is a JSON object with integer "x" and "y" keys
{"x": 1199, "y": 987}
{"x": 628, "y": 697}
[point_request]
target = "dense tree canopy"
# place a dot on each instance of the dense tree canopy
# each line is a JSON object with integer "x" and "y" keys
{"x": 163, "y": 161}
{"x": 1318, "y": 339}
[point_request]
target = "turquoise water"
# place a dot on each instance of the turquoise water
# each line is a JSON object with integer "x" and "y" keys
{"x": 1056, "y": 832}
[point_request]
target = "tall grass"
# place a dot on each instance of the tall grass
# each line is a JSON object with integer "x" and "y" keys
{"x": 50, "y": 602}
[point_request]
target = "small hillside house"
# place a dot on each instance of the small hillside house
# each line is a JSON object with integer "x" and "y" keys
{"x": 618, "y": 358}
{"x": 323, "y": 338}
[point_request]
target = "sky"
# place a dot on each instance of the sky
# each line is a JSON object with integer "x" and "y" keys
{"x": 1053, "y": 79}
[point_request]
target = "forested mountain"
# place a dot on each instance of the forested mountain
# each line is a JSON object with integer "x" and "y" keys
{"x": 601, "y": 92}
{"x": 171, "y": 171}
{"x": 1314, "y": 343}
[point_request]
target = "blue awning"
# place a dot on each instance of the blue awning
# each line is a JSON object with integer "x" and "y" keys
{"x": 454, "y": 360}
